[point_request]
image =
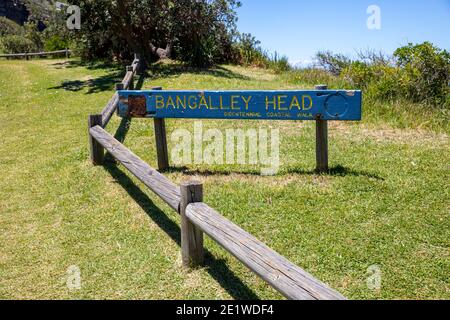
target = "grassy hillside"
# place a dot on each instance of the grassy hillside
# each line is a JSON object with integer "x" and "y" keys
{"x": 384, "y": 203}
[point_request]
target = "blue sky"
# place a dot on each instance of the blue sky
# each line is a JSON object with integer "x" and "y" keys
{"x": 299, "y": 28}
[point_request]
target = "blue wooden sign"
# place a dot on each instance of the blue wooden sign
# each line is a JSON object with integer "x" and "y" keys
{"x": 262, "y": 105}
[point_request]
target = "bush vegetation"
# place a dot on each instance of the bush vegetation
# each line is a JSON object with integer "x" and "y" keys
{"x": 248, "y": 52}
{"x": 419, "y": 73}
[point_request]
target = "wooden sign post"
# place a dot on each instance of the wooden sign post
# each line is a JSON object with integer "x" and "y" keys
{"x": 320, "y": 105}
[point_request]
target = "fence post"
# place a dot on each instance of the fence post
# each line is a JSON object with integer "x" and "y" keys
{"x": 140, "y": 68}
{"x": 131, "y": 86}
{"x": 97, "y": 150}
{"x": 191, "y": 236}
{"x": 161, "y": 141}
{"x": 321, "y": 140}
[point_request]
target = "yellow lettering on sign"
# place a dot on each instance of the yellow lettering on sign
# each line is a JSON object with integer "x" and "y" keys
{"x": 304, "y": 98}
{"x": 170, "y": 102}
{"x": 211, "y": 105}
{"x": 221, "y": 104}
{"x": 247, "y": 101}
{"x": 203, "y": 103}
{"x": 159, "y": 102}
{"x": 281, "y": 102}
{"x": 192, "y": 105}
{"x": 295, "y": 103}
{"x": 181, "y": 102}
{"x": 234, "y": 102}
{"x": 272, "y": 102}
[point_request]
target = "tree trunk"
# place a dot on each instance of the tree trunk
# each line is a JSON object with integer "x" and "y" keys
{"x": 161, "y": 53}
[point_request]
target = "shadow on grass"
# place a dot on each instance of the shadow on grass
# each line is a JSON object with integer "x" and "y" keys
{"x": 160, "y": 70}
{"x": 90, "y": 65}
{"x": 99, "y": 84}
{"x": 217, "y": 268}
{"x": 338, "y": 171}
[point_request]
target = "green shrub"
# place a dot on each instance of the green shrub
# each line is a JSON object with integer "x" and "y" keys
{"x": 279, "y": 65}
{"x": 425, "y": 72}
{"x": 55, "y": 43}
{"x": 31, "y": 32}
{"x": 249, "y": 53}
{"x": 358, "y": 74}
{"x": 378, "y": 80}
{"x": 385, "y": 82}
{"x": 17, "y": 44}
{"x": 309, "y": 77}
{"x": 9, "y": 27}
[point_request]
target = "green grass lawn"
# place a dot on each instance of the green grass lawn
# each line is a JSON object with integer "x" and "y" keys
{"x": 385, "y": 202}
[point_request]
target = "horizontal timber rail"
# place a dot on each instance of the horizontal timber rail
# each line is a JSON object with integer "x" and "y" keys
{"x": 157, "y": 182}
{"x": 108, "y": 111}
{"x": 290, "y": 280}
{"x": 35, "y": 54}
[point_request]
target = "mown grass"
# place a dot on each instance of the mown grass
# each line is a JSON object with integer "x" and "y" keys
{"x": 385, "y": 202}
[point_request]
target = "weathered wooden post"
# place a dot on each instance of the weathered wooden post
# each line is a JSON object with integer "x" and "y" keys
{"x": 161, "y": 141}
{"x": 97, "y": 150}
{"x": 191, "y": 236}
{"x": 321, "y": 140}
{"x": 141, "y": 64}
{"x": 131, "y": 85}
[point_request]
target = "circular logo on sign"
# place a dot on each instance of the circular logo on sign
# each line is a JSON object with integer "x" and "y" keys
{"x": 336, "y": 105}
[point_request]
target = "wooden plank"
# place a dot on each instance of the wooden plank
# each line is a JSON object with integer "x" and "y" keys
{"x": 135, "y": 65}
{"x": 321, "y": 140}
{"x": 139, "y": 65}
{"x": 109, "y": 110}
{"x": 161, "y": 141}
{"x": 158, "y": 183}
{"x": 290, "y": 280}
{"x": 127, "y": 80}
{"x": 191, "y": 236}
{"x": 97, "y": 151}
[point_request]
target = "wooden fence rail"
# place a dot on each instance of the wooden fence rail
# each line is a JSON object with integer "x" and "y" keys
{"x": 197, "y": 218}
{"x": 67, "y": 52}
{"x": 290, "y": 280}
{"x": 154, "y": 180}
{"x": 108, "y": 111}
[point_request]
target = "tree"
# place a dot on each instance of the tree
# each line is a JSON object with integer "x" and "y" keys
{"x": 196, "y": 31}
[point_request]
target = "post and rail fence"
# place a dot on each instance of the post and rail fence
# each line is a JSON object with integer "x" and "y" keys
{"x": 197, "y": 217}
{"x": 28, "y": 55}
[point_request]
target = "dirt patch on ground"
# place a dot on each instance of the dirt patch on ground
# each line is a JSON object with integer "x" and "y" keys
{"x": 407, "y": 136}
